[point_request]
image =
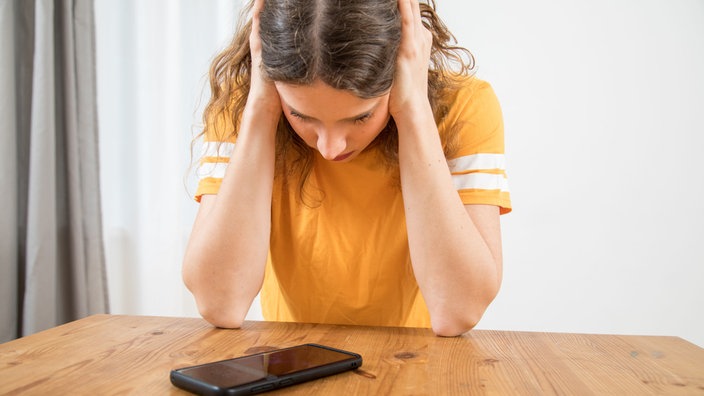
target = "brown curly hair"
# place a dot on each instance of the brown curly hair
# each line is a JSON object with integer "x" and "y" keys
{"x": 349, "y": 45}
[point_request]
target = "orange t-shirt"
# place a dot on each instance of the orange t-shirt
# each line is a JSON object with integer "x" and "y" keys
{"x": 346, "y": 260}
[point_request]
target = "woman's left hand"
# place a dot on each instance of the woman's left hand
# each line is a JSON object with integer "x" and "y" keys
{"x": 409, "y": 91}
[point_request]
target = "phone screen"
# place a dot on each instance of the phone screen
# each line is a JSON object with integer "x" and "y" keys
{"x": 275, "y": 368}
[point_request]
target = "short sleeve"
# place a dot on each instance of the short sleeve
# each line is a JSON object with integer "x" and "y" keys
{"x": 217, "y": 147}
{"x": 478, "y": 166}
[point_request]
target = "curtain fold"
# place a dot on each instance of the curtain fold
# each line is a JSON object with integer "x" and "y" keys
{"x": 52, "y": 250}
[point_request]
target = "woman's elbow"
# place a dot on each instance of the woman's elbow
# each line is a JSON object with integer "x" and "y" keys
{"x": 446, "y": 326}
{"x": 221, "y": 318}
{"x": 455, "y": 322}
{"x": 213, "y": 306}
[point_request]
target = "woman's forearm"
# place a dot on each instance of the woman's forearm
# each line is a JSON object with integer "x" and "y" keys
{"x": 226, "y": 255}
{"x": 456, "y": 270}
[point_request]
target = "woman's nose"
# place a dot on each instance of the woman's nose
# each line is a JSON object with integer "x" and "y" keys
{"x": 331, "y": 144}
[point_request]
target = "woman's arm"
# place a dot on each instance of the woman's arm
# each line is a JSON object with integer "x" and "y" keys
{"x": 227, "y": 251}
{"x": 455, "y": 249}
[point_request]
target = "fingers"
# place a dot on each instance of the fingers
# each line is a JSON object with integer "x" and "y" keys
{"x": 410, "y": 11}
{"x": 415, "y": 5}
{"x": 405, "y": 8}
{"x": 256, "y": 10}
{"x": 257, "y": 7}
{"x": 409, "y": 88}
{"x": 411, "y": 21}
{"x": 254, "y": 42}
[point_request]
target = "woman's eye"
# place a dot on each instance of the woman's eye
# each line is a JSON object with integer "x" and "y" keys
{"x": 298, "y": 116}
{"x": 363, "y": 118}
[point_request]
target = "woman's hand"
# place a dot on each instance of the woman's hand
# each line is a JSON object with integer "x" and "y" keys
{"x": 409, "y": 92}
{"x": 262, "y": 91}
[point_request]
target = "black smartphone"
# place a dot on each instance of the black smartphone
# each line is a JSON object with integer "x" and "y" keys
{"x": 265, "y": 371}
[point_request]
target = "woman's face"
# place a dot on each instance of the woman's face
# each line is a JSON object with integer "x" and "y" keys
{"x": 335, "y": 122}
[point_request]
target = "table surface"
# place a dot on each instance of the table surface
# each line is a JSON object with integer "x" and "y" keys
{"x": 111, "y": 354}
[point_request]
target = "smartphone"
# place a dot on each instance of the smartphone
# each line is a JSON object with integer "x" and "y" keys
{"x": 265, "y": 371}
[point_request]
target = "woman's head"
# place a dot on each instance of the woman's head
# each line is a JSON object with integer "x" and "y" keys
{"x": 349, "y": 45}
{"x": 333, "y": 65}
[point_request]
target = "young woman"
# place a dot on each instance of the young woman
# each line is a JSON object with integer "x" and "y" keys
{"x": 352, "y": 172}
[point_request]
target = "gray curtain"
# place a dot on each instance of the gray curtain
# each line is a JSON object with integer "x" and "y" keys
{"x": 51, "y": 249}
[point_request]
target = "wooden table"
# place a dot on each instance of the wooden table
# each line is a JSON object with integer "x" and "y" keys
{"x": 107, "y": 354}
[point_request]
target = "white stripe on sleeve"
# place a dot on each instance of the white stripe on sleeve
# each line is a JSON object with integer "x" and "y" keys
{"x": 476, "y": 162}
{"x": 481, "y": 181}
{"x": 217, "y": 149}
{"x": 212, "y": 169}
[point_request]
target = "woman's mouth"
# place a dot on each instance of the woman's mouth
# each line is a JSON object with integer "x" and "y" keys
{"x": 343, "y": 157}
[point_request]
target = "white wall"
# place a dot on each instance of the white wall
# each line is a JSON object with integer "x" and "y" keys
{"x": 603, "y": 106}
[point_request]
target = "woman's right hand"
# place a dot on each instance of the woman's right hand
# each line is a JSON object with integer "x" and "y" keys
{"x": 262, "y": 91}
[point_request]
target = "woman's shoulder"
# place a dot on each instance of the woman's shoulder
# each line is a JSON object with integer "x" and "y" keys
{"x": 469, "y": 96}
{"x": 466, "y": 87}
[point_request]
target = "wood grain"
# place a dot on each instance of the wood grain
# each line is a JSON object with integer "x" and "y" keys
{"x": 107, "y": 354}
